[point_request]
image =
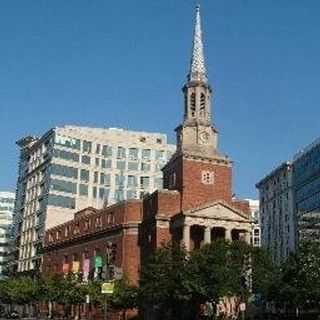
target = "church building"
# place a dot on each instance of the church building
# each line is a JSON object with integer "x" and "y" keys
{"x": 195, "y": 206}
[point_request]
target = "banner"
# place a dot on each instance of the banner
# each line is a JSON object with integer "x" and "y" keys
{"x": 86, "y": 266}
{"x": 65, "y": 268}
{"x": 97, "y": 261}
{"x": 75, "y": 266}
{"x": 86, "y": 269}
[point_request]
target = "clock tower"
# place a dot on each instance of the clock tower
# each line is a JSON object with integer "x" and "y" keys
{"x": 198, "y": 170}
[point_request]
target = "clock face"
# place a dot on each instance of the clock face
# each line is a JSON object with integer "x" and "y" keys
{"x": 204, "y": 137}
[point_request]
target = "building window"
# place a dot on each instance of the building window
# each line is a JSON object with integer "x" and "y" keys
{"x": 95, "y": 177}
{"x": 61, "y": 201}
{"x": 159, "y": 141}
{"x": 145, "y": 167}
{"x": 121, "y": 153}
{"x": 64, "y": 171}
{"x": 120, "y": 180}
{"x": 84, "y": 175}
{"x": 132, "y": 181}
{"x": 193, "y": 104}
{"x": 121, "y": 165}
{"x": 94, "y": 192}
{"x": 105, "y": 179}
{"x": 67, "y": 142}
{"x": 97, "y": 162}
{"x": 63, "y": 186}
{"x": 202, "y": 104}
{"x": 144, "y": 182}
{"x": 85, "y": 159}
{"x": 142, "y": 139}
{"x": 86, "y": 146}
{"x": 66, "y": 155}
{"x": 106, "y": 164}
{"x": 83, "y": 190}
{"x": 98, "y": 148}
{"x": 103, "y": 193}
{"x": 133, "y": 166}
{"x": 172, "y": 180}
{"x": 119, "y": 195}
{"x": 133, "y": 153}
{"x": 107, "y": 151}
{"x": 160, "y": 155}
{"x": 146, "y": 154}
{"x": 158, "y": 183}
{"x": 207, "y": 177}
{"x": 131, "y": 194}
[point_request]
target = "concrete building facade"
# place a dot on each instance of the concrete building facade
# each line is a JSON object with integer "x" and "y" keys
{"x": 278, "y": 232}
{"x": 7, "y": 200}
{"x": 290, "y": 202}
{"x": 255, "y": 217}
{"x": 70, "y": 168}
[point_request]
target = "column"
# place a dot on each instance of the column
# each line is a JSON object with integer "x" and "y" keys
{"x": 207, "y": 235}
{"x": 229, "y": 234}
{"x": 186, "y": 236}
{"x": 247, "y": 237}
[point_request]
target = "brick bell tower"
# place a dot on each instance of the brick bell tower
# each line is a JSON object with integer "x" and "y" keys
{"x": 197, "y": 170}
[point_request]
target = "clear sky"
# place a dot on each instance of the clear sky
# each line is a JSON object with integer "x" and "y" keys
{"x": 123, "y": 63}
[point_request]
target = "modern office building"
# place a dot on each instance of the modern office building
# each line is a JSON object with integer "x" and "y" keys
{"x": 306, "y": 182}
{"x": 255, "y": 217}
{"x": 278, "y": 232}
{"x": 6, "y": 231}
{"x": 70, "y": 168}
{"x": 290, "y": 202}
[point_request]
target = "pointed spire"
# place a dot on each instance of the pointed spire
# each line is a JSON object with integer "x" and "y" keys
{"x": 198, "y": 70}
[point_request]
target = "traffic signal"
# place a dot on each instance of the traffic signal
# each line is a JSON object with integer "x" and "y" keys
{"x": 111, "y": 253}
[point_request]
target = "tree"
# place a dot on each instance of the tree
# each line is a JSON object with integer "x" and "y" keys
{"x": 125, "y": 296}
{"x": 165, "y": 283}
{"x": 176, "y": 283}
{"x": 300, "y": 278}
{"x": 266, "y": 275}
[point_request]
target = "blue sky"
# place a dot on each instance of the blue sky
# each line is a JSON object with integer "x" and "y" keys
{"x": 123, "y": 63}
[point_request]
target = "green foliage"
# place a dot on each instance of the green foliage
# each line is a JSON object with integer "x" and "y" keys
{"x": 300, "y": 278}
{"x": 125, "y": 295}
{"x": 176, "y": 283}
{"x": 21, "y": 290}
{"x": 266, "y": 274}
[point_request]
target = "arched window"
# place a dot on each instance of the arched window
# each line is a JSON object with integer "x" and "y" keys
{"x": 193, "y": 104}
{"x": 202, "y": 105}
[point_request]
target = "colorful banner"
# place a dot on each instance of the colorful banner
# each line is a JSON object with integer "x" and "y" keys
{"x": 65, "y": 268}
{"x": 86, "y": 269}
{"x": 75, "y": 266}
{"x": 97, "y": 261}
{"x": 86, "y": 266}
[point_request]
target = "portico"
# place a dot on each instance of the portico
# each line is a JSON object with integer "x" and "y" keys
{"x": 209, "y": 223}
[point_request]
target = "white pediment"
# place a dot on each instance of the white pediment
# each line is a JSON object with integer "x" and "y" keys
{"x": 220, "y": 211}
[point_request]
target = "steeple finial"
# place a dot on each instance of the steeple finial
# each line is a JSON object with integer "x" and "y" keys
{"x": 198, "y": 70}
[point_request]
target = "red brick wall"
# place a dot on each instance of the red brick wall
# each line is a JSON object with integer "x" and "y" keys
{"x": 53, "y": 258}
{"x": 188, "y": 181}
{"x": 196, "y": 193}
{"x": 131, "y": 257}
{"x": 163, "y": 236}
{"x": 242, "y": 205}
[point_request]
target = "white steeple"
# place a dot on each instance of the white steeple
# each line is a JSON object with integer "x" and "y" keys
{"x": 198, "y": 70}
